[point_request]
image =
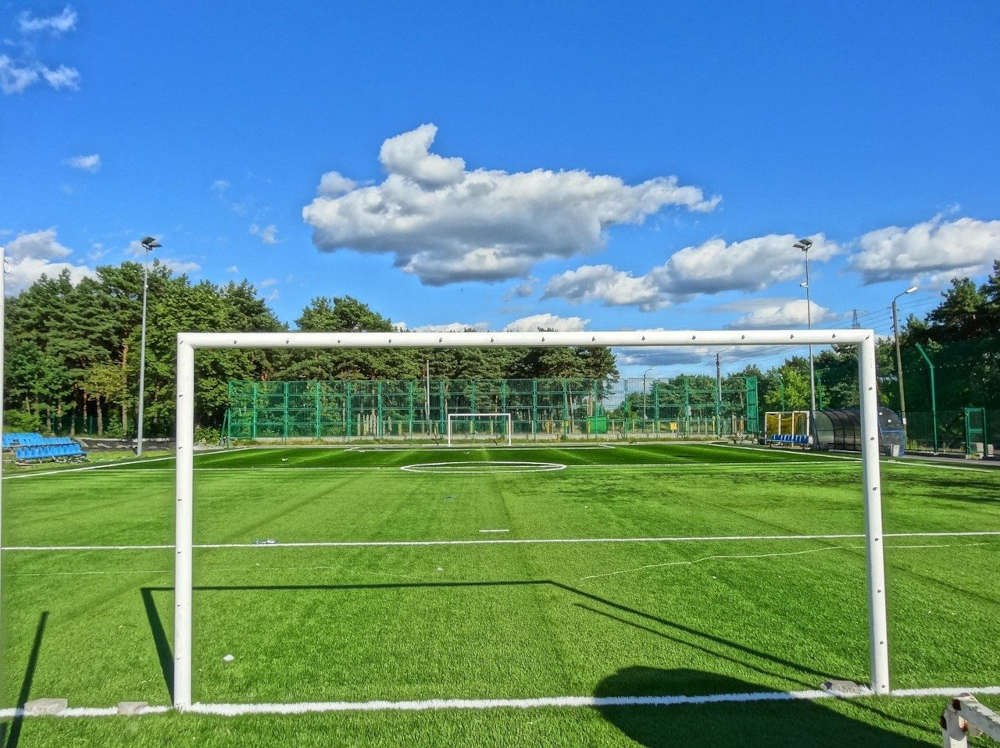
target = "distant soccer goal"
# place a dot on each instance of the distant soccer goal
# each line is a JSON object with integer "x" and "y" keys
{"x": 496, "y": 426}
{"x": 786, "y": 422}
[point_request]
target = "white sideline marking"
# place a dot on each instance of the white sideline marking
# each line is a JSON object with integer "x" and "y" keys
{"x": 497, "y": 530}
{"x": 482, "y": 467}
{"x": 505, "y": 541}
{"x": 108, "y": 465}
{"x": 309, "y": 707}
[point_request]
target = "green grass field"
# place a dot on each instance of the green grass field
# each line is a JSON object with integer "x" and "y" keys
{"x": 694, "y": 601}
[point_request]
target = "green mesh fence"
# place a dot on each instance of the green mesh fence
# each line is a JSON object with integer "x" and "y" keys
{"x": 539, "y": 408}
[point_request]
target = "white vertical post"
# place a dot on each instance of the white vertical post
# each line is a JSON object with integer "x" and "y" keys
{"x": 874, "y": 540}
{"x": 183, "y": 582}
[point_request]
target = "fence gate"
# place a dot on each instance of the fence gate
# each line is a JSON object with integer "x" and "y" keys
{"x": 975, "y": 430}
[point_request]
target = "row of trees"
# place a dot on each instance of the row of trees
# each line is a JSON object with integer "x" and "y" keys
{"x": 72, "y": 351}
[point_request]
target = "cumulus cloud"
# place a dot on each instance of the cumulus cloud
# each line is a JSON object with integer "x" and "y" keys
{"x": 179, "y": 266}
{"x": 267, "y": 282}
{"x": 16, "y": 77}
{"x": 232, "y": 269}
{"x": 450, "y": 327}
{"x": 521, "y": 290}
{"x": 91, "y": 163}
{"x": 335, "y": 183}
{"x": 546, "y": 321}
{"x": 709, "y": 268}
{"x": 56, "y": 25}
{"x": 964, "y": 246}
{"x": 776, "y": 313}
{"x": 267, "y": 234}
{"x": 445, "y": 223}
{"x": 31, "y": 255}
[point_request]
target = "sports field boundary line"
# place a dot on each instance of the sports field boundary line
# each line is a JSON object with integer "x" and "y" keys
{"x": 505, "y": 541}
{"x": 106, "y": 465}
{"x": 591, "y": 702}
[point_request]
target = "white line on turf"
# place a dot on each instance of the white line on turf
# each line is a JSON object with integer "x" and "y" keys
{"x": 507, "y": 541}
{"x": 309, "y": 707}
{"x": 111, "y": 465}
{"x": 737, "y": 557}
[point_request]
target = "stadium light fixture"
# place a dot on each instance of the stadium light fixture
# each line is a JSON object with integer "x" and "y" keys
{"x": 899, "y": 359}
{"x": 805, "y": 245}
{"x": 148, "y": 243}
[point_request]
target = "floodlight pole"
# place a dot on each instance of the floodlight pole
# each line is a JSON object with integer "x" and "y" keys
{"x": 184, "y": 486}
{"x": 804, "y": 245}
{"x": 899, "y": 359}
{"x": 3, "y": 266}
{"x": 148, "y": 245}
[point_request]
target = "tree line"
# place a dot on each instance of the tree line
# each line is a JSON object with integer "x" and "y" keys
{"x": 72, "y": 353}
{"x": 72, "y": 350}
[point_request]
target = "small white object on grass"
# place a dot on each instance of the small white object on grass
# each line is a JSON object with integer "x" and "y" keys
{"x": 228, "y": 658}
{"x": 440, "y": 568}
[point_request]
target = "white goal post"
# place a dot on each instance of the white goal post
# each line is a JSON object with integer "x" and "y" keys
{"x": 508, "y": 430}
{"x": 188, "y": 343}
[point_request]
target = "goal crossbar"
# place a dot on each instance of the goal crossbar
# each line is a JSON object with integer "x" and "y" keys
{"x": 189, "y": 342}
{"x": 508, "y": 429}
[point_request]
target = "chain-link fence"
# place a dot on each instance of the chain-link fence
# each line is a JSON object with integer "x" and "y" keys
{"x": 682, "y": 407}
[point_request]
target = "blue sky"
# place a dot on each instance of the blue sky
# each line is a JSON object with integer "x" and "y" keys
{"x": 608, "y": 165}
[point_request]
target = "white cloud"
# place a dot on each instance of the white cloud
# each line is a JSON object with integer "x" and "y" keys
{"x": 450, "y": 327}
{"x": 546, "y": 321}
{"x": 605, "y": 284}
{"x": 522, "y": 290}
{"x": 446, "y": 224}
{"x": 29, "y": 256}
{"x": 219, "y": 186}
{"x": 267, "y": 234}
{"x": 232, "y": 269}
{"x": 267, "y": 282}
{"x": 91, "y": 163}
{"x": 59, "y": 24}
{"x": 179, "y": 266}
{"x": 709, "y": 268}
{"x": 702, "y": 354}
{"x": 335, "y": 183}
{"x": 776, "y": 313}
{"x": 965, "y": 246}
{"x": 61, "y": 77}
{"x": 38, "y": 244}
{"x": 16, "y": 77}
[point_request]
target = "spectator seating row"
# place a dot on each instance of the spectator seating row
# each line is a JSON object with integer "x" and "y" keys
{"x": 802, "y": 439}
{"x": 31, "y": 439}
{"x": 58, "y": 452}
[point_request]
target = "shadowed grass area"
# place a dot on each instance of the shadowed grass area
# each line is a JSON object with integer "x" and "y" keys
{"x": 499, "y": 620}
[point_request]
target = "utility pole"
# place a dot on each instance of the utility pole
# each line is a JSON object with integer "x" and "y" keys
{"x": 855, "y": 324}
{"x": 899, "y": 359}
{"x": 148, "y": 243}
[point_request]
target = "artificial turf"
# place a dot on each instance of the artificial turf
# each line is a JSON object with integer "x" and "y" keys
{"x": 354, "y": 623}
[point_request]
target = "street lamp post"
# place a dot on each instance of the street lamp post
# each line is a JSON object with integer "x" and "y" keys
{"x": 148, "y": 243}
{"x": 804, "y": 245}
{"x": 644, "y": 396}
{"x": 899, "y": 358}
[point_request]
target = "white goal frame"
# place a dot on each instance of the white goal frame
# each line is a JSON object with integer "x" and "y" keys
{"x": 189, "y": 342}
{"x": 510, "y": 423}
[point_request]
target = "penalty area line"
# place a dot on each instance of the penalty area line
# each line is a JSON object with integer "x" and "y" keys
{"x": 590, "y": 702}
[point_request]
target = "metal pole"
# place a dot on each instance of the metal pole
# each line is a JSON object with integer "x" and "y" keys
{"x": 184, "y": 525}
{"x": 718, "y": 396}
{"x": 899, "y": 369}
{"x": 142, "y": 357}
{"x": 809, "y": 323}
{"x": 877, "y": 616}
{"x": 930, "y": 366}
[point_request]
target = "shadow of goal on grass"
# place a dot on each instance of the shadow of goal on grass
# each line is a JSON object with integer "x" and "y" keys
{"x": 734, "y": 652}
{"x": 732, "y": 723}
{"x": 14, "y": 736}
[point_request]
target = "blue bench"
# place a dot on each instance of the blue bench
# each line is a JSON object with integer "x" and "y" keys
{"x": 799, "y": 439}
{"x": 66, "y": 450}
